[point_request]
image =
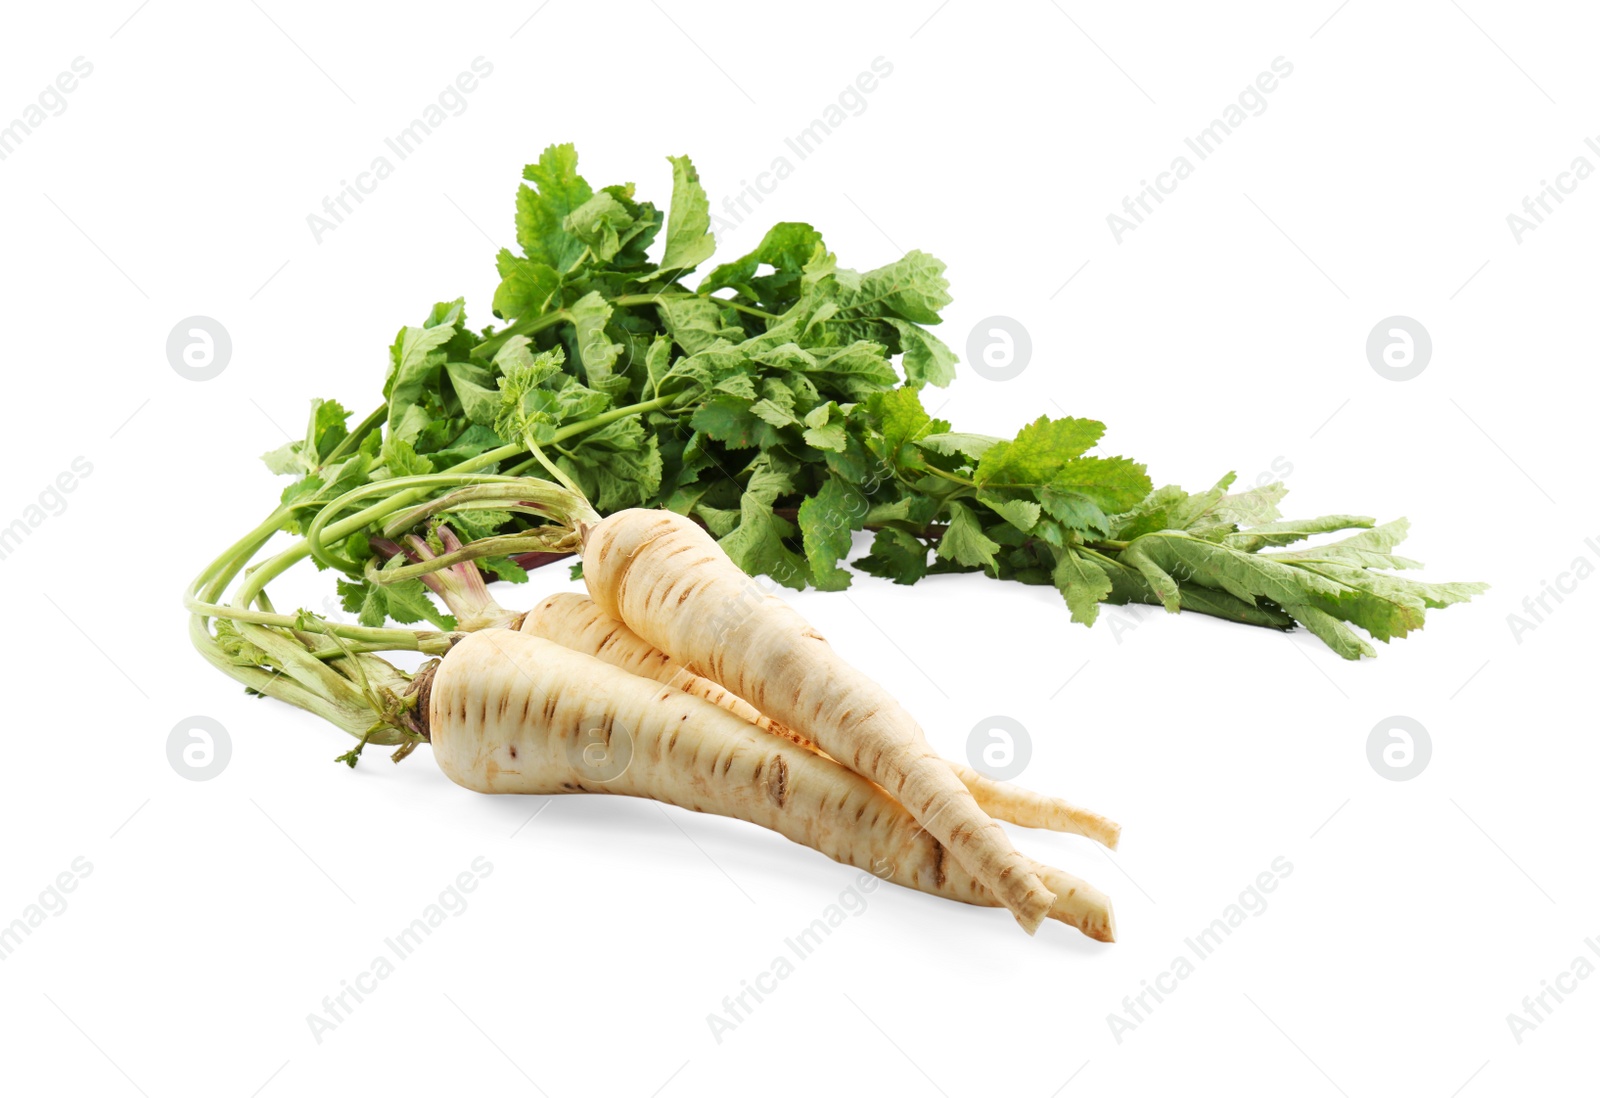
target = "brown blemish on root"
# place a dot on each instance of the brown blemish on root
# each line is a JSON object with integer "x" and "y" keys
{"x": 778, "y": 781}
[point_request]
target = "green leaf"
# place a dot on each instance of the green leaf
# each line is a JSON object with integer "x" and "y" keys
{"x": 1038, "y": 452}
{"x": 729, "y": 420}
{"x": 504, "y": 568}
{"x": 1149, "y": 514}
{"x": 689, "y": 243}
{"x": 963, "y": 540}
{"x": 695, "y": 323}
{"x": 325, "y": 429}
{"x": 950, "y": 443}
{"x": 826, "y": 428}
{"x": 405, "y": 602}
{"x": 1163, "y": 585}
{"x": 756, "y": 545}
{"x": 414, "y": 363}
{"x": 1276, "y": 534}
{"x": 526, "y": 287}
{"x": 913, "y": 288}
{"x": 595, "y": 349}
{"x": 897, "y": 556}
{"x": 478, "y": 392}
{"x": 856, "y": 371}
{"x": 1247, "y": 576}
{"x": 826, "y": 521}
{"x": 925, "y": 359}
{"x": 619, "y": 465}
{"x": 401, "y": 460}
{"x": 901, "y": 419}
{"x": 787, "y": 248}
{"x": 657, "y": 361}
{"x": 1021, "y": 513}
{"x": 1082, "y": 583}
{"x": 408, "y": 602}
{"x": 542, "y": 209}
{"x": 1084, "y": 490}
{"x": 603, "y": 223}
{"x": 478, "y": 522}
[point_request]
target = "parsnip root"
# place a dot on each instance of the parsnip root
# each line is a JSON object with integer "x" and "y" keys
{"x": 664, "y": 577}
{"x": 570, "y": 619}
{"x": 513, "y": 713}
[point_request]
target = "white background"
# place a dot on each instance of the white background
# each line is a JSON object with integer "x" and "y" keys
{"x": 1227, "y": 332}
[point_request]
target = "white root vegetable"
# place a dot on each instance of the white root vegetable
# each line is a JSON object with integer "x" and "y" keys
{"x": 513, "y": 713}
{"x": 667, "y": 580}
{"x": 570, "y": 619}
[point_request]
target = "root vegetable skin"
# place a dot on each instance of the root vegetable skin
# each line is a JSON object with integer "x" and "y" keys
{"x": 664, "y": 577}
{"x": 576, "y": 622}
{"x": 513, "y": 713}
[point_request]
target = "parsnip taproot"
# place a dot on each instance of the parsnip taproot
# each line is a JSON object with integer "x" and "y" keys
{"x": 666, "y": 579}
{"x": 574, "y": 621}
{"x": 508, "y": 712}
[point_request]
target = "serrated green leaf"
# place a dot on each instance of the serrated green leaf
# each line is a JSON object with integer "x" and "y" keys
{"x": 689, "y": 242}
{"x": 1021, "y": 513}
{"x": 1082, "y": 583}
{"x": 596, "y": 352}
{"x": 897, "y": 556}
{"x": 1162, "y": 584}
{"x": 963, "y": 539}
{"x": 478, "y": 392}
{"x": 1038, "y": 452}
{"x": 826, "y": 521}
{"x": 526, "y": 287}
{"x": 542, "y": 209}
{"x": 603, "y": 223}
{"x": 1277, "y": 534}
{"x": 950, "y": 443}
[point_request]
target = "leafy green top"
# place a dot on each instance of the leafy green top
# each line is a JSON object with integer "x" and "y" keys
{"x": 775, "y": 415}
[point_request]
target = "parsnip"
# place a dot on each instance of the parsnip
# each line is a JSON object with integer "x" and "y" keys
{"x": 570, "y": 619}
{"x": 664, "y": 577}
{"x": 508, "y": 712}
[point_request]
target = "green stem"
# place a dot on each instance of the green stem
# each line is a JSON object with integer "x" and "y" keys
{"x": 320, "y": 531}
{"x": 615, "y": 414}
{"x": 528, "y": 325}
{"x": 951, "y": 477}
{"x": 496, "y": 546}
{"x": 408, "y": 640}
{"x": 549, "y": 466}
